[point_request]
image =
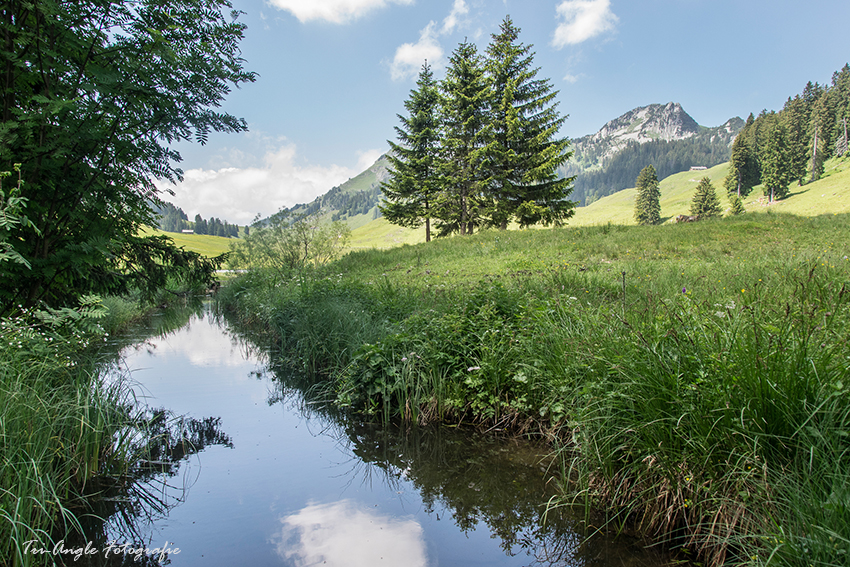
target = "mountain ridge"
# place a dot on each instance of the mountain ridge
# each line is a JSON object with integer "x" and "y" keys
{"x": 356, "y": 200}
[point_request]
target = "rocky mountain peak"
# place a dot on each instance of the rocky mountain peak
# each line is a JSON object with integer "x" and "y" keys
{"x": 646, "y": 123}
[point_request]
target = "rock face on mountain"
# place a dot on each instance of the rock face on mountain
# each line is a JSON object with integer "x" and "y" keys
{"x": 668, "y": 122}
{"x": 647, "y": 123}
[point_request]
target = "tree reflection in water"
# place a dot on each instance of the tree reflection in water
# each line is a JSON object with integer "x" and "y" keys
{"x": 119, "y": 509}
{"x": 504, "y": 483}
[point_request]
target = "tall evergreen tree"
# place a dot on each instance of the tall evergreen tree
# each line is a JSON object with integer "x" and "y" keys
{"x": 524, "y": 152}
{"x": 743, "y": 168}
{"x": 705, "y": 203}
{"x": 648, "y": 200}
{"x": 414, "y": 168}
{"x": 466, "y": 96}
{"x": 776, "y": 172}
{"x": 822, "y": 125}
{"x": 795, "y": 119}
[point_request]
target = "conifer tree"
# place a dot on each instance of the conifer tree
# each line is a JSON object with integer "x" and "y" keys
{"x": 414, "y": 166}
{"x": 796, "y": 122}
{"x": 524, "y": 152}
{"x": 743, "y": 168}
{"x": 465, "y": 115}
{"x": 705, "y": 203}
{"x": 737, "y": 205}
{"x": 648, "y": 200}
{"x": 776, "y": 172}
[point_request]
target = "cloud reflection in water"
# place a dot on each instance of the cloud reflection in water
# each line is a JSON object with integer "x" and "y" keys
{"x": 342, "y": 534}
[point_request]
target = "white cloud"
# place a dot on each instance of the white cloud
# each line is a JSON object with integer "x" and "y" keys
{"x": 571, "y": 78}
{"x": 409, "y": 57}
{"x": 582, "y": 20}
{"x": 335, "y": 11}
{"x": 237, "y": 194}
{"x": 459, "y": 8}
{"x": 344, "y": 535}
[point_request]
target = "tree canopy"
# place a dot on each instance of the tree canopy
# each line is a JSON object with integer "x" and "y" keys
{"x": 648, "y": 199}
{"x": 499, "y": 149}
{"x": 414, "y": 169}
{"x": 705, "y": 203}
{"x": 94, "y": 94}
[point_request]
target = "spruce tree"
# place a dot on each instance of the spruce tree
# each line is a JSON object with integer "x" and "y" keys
{"x": 705, "y": 203}
{"x": 737, "y": 205}
{"x": 648, "y": 200}
{"x": 776, "y": 172}
{"x": 743, "y": 168}
{"x": 465, "y": 102}
{"x": 414, "y": 181}
{"x": 524, "y": 152}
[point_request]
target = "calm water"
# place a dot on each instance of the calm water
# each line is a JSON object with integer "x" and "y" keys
{"x": 278, "y": 483}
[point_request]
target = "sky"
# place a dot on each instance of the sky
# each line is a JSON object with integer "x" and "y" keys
{"x": 333, "y": 76}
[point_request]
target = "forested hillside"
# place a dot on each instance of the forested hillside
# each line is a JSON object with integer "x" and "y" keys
{"x": 173, "y": 219}
{"x": 668, "y": 157}
{"x": 778, "y": 149}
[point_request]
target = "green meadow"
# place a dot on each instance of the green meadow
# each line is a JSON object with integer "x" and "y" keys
{"x": 692, "y": 378}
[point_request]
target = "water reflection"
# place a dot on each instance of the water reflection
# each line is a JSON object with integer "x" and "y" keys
{"x": 343, "y": 534}
{"x": 286, "y": 479}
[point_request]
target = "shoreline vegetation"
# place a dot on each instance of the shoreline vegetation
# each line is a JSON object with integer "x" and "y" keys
{"x": 73, "y": 440}
{"x": 692, "y": 378}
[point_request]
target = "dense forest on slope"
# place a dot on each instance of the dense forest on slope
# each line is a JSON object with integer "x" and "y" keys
{"x": 620, "y": 171}
{"x": 174, "y": 219}
{"x": 777, "y": 149}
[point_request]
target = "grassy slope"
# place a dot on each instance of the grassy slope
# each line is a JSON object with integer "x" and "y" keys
{"x": 828, "y": 195}
{"x": 204, "y": 244}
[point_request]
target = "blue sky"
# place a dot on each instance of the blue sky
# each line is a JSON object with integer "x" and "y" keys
{"x": 334, "y": 74}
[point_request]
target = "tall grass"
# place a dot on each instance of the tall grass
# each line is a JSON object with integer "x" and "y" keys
{"x": 695, "y": 375}
{"x": 61, "y": 427}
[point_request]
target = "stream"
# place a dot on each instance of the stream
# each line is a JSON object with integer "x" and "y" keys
{"x": 270, "y": 479}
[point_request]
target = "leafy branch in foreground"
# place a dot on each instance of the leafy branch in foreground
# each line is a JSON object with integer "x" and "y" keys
{"x": 94, "y": 94}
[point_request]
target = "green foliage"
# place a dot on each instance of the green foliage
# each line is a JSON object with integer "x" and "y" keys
{"x": 737, "y": 205}
{"x": 648, "y": 200}
{"x": 705, "y": 203}
{"x": 414, "y": 181}
{"x": 11, "y": 209}
{"x": 288, "y": 242}
{"x": 60, "y": 425}
{"x": 499, "y": 145}
{"x": 95, "y": 94}
{"x": 466, "y": 96}
{"x": 775, "y": 161}
{"x": 524, "y": 153}
{"x": 743, "y": 168}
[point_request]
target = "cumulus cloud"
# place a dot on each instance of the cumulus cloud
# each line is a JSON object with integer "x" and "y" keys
{"x": 342, "y": 534}
{"x": 238, "y": 194}
{"x": 335, "y": 11}
{"x": 409, "y": 57}
{"x": 459, "y": 9}
{"x": 582, "y": 20}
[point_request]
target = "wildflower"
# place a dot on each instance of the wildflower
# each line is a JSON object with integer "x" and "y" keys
{"x": 684, "y": 290}
{"x": 471, "y": 368}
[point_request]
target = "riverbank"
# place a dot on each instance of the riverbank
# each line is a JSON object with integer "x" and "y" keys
{"x": 694, "y": 376}
{"x": 66, "y": 432}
